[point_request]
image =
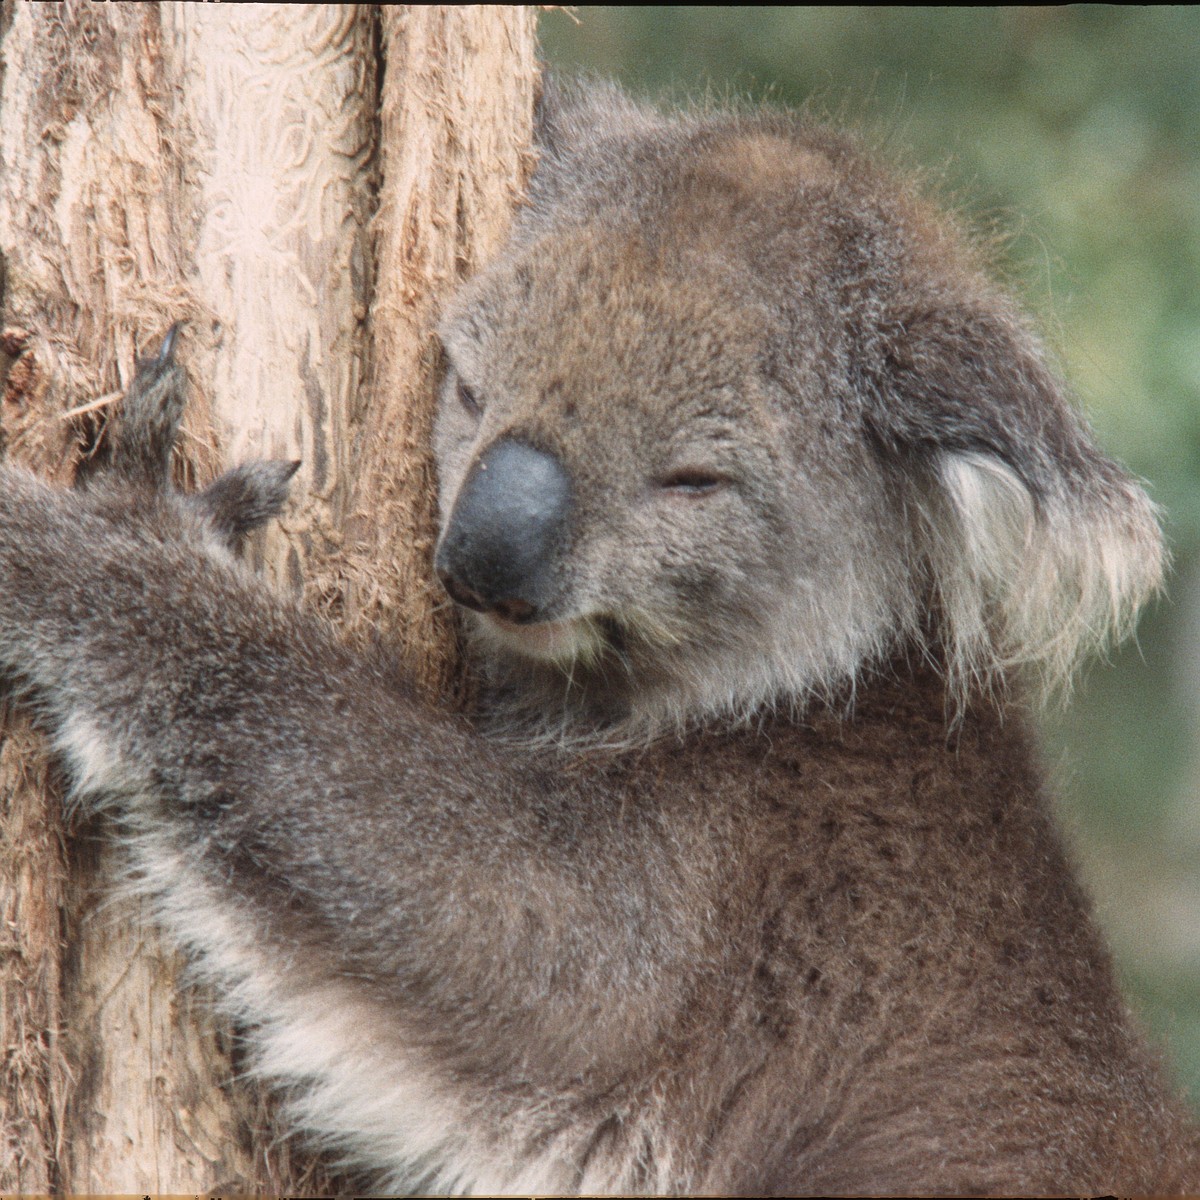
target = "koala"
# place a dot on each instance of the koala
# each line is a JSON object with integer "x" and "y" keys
{"x": 770, "y": 519}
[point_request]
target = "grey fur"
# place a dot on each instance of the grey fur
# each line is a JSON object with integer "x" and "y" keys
{"x": 698, "y": 931}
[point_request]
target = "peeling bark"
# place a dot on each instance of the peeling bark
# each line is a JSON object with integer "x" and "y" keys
{"x": 34, "y": 1075}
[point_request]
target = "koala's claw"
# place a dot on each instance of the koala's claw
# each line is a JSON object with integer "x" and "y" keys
{"x": 166, "y": 352}
{"x": 246, "y": 497}
{"x": 148, "y": 421}
{"x": 138, "y": 442}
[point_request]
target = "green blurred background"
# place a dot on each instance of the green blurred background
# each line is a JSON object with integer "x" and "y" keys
{"x": 1076, "y": 131}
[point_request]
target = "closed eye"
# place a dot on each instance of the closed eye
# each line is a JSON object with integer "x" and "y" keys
{"x": 468, "y": 398}
{"x": 694, "y": 481}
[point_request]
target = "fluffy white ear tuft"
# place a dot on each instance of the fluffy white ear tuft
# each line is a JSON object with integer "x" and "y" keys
{"x": 1034, "y": 583}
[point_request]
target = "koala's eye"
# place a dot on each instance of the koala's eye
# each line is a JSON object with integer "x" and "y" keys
{"x": 467, "y": 398}
{"x": 693, "y": 481}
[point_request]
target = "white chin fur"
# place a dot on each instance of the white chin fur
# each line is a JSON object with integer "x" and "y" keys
{"x": 545, "y": 641}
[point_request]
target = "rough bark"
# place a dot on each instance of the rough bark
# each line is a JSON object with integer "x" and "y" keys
{"x": 219, "y": 166}
{"x": 458, "y": 92}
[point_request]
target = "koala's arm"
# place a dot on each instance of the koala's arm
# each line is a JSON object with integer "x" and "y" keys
{"x": 289, "y": 802}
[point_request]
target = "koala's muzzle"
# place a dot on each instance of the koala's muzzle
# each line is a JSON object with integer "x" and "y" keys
{"x": 509, "y": 524}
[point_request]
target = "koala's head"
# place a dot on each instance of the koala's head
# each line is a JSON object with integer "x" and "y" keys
{"x": 735, "y": 417}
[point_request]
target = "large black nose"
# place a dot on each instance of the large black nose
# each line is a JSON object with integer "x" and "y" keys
{"x": 504, "y": 537}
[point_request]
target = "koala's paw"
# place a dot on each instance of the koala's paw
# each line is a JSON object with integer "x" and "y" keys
{"x": 137, "y": 452}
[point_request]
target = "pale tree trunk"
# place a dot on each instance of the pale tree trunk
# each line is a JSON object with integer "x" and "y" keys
{"x": 301, "y": 187}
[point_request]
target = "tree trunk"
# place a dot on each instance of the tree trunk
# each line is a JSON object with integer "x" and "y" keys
{"x": 300, "y": 187}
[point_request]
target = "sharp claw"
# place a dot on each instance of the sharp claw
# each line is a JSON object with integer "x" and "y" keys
{"x": 246, "y": 498}
{"x": 166, "y": 351}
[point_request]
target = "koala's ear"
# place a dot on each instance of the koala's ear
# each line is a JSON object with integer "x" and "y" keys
{"x": 553, "y": 102}
{"x": 583, "y": 129}
{"x": 570, "y": 113}
{"x": 1038, "y": 547}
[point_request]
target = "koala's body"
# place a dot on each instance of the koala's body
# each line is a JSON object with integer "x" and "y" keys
{"x": 765, "y": 503}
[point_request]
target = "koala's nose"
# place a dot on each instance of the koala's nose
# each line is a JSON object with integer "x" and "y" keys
{"x": 509, "y": 524}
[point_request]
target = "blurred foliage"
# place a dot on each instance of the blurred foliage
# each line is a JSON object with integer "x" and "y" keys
{"x": 1076, "y": 130}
